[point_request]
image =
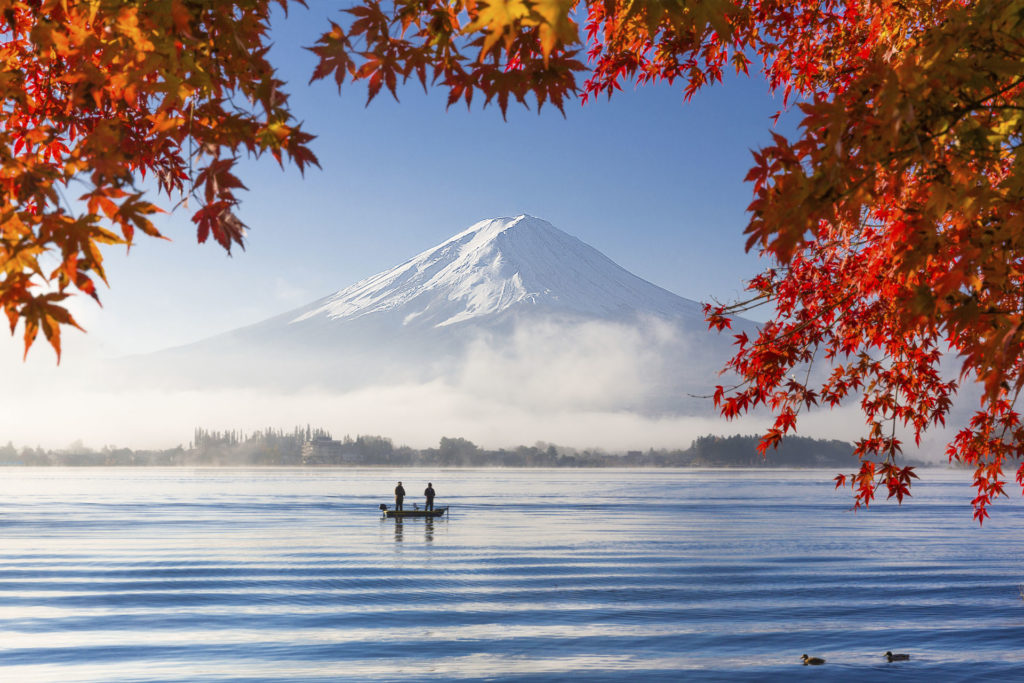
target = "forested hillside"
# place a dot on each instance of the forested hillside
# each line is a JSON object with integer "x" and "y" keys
{"x": 311, "y": 447}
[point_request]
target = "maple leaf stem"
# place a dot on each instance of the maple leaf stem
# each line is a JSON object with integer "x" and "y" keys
{"x": 746, "y": 305}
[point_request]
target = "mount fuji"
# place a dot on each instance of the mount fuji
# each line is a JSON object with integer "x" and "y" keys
{"x": 497, "y": 267}
{"x": 509, "y": 306}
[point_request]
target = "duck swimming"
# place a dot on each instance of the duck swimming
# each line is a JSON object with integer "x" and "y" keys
{"x": 812, "y": 661}
{"x": 896, "y": 658}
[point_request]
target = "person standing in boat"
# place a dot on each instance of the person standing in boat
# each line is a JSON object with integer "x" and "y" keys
{"x": 399, "y": 496}
{"x": 429, "y": 493}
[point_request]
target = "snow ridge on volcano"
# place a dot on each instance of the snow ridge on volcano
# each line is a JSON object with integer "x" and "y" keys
{"x": 495, "y": 266}
{"x": 510, "y": 309}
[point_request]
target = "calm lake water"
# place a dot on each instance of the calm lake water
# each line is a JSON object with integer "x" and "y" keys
{"x": 597, "y": 575}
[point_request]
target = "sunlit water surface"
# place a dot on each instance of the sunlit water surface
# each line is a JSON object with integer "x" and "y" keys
{"x": 597, "y": 575}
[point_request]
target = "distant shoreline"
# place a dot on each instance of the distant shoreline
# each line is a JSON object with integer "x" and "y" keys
{"x": 917, "y": 464}
{"x": 317, "y": 449}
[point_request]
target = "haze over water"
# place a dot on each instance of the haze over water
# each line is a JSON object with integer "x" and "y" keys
{"x": 274, "y": 575}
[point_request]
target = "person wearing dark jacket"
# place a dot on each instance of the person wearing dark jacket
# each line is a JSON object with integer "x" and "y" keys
{"x": 399, "y": 496}
{"x": 429, "y": 493}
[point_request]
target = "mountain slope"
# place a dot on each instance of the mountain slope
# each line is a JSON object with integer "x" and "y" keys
{"x": 495, "y": 266}
{"x": 511, "y": 307}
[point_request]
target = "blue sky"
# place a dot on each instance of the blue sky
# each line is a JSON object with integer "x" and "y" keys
{"x": 651, "y": 181}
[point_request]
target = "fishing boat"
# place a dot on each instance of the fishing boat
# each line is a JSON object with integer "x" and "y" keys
{"x": 408, "y": 514}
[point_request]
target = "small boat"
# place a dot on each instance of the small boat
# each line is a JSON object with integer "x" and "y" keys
{"x": 408, "y": 514}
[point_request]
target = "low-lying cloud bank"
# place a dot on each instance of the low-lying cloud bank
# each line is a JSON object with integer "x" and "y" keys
{"x": 415, "y": 415}
{"x": 584, "y": 385}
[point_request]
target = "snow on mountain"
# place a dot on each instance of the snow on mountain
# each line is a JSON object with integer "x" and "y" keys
{"x": 510, "y": 307}
{"x": 495, "y": 266}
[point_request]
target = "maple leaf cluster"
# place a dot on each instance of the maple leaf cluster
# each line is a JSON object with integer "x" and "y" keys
{"x": 104, "y": 95}
{"x": 896, "y": 230}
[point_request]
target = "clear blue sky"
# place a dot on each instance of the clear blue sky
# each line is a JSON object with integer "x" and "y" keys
{"x": 651, "y": 181}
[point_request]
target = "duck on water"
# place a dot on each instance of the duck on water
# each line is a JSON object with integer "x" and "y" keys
{"x": 816, "y": 661}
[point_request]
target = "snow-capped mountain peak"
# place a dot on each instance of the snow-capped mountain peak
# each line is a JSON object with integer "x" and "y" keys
{"x": 494, "y": 266}
{"x": 509, "y": 309}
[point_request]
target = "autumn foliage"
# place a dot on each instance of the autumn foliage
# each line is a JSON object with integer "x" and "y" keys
{"x": 104, "y": 95}
{"x": 891, "y": 225}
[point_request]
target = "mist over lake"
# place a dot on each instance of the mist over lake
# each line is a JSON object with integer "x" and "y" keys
{"x": 290, "y": 574}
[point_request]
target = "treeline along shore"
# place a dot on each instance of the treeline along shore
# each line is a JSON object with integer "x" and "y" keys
{"x": 309, "y": 447}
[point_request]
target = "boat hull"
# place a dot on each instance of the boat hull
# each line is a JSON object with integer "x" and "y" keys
{"x": 410, "y": 514}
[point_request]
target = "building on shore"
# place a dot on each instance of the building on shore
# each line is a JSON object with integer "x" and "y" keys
{"x": 322, "y": 450}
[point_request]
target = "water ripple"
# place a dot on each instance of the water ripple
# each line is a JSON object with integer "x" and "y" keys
{"x": 280, "y": 575}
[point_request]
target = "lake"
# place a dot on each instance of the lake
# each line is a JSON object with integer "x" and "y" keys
{"x": 596, "y": 575}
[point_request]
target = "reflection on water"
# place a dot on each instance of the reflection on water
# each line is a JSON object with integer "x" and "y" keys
{"x": 428, "y": 527}
{"x": 124, "y": 574}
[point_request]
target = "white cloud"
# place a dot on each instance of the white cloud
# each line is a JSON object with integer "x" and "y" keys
{"x": 416, "y": 415}
{"x": 550, "y": 366}
{"x": 590, "y": 385}
{"x": 571, "y": 384}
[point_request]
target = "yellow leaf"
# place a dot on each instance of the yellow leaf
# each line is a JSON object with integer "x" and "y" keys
{"x": 555, "y": 25}
{"x": 498, "y": 18}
